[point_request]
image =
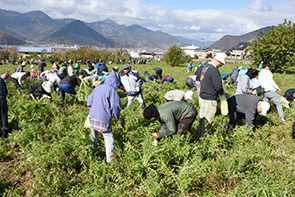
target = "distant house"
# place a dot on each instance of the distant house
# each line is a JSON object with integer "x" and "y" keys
{"x": 190, "y": 50}
{"x": 239, "y": 51}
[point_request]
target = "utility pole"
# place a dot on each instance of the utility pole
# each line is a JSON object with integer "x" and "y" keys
{"x": 202, "y": 39}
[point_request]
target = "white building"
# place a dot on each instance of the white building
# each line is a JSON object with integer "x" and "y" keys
{"x": 190, "y": 50}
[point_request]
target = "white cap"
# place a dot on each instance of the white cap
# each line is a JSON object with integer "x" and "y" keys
{"x": 265, "y": 107}
{"x": 189, "y": 94}
{"x": 221, "y": 57}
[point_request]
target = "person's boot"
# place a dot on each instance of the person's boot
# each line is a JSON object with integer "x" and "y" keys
{"x": 4, "y": 134}
{"x": 62, "y": 101}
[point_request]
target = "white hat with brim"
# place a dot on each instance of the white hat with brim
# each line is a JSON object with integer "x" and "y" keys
{"x": 221, "y": 57}
{"x": 265, "y": 107}
{"x": 189, "y": 94}
{"x": 48, "y": 86}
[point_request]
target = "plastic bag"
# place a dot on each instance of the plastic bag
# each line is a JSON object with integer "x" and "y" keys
{"x": 223, "y": 105}
{"x": 87, "y": 122}
{"x": 285, "y": 102}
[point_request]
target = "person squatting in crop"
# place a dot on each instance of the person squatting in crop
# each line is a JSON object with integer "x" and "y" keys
{"x": 173, "y": 116}
{"x": 105, "y": 103}
{"x": 37, "y": 90}
{"x": 245, "y": 106}
{"x": 67, "y": 85}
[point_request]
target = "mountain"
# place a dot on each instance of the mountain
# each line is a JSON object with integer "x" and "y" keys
{"x": 228, "y": 41}
{"x": 78, "y": 33}
{"x": 33, "y": 25}
{"x": 194, "y": 42}
{"x": 10, "y": 40}
{"x": 133, "y": 35}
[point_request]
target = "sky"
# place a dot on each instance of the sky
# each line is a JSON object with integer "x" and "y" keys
{"x": 193, "y": 19}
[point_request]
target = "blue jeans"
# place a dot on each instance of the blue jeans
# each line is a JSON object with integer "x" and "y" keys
{"x": 148, "y": 80}
{"x": 66, "y": 88}
{"x": 108, "y": 140}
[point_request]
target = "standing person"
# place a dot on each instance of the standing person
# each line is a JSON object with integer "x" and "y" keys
{"x": 167, "y": 78}
{"x": 158, "y": 71}
{"x": 17, "y": 78}
{"x": 20, "y": 68}
{"x": 3, "y": 108}
{"x": 179, "y": 95}
{"x": 260, "y": 66}
{"x": 211, "y": 88}
{"x": 41, "y": 65}
{"x": 270, "y": 89}
{"x": 173, "y": 116}
{"x": 33, "y": 72}
{"x": 198, "y": 74}
{"x": 244, "y": 83}
{"x": 132, "y": 84}
{"x": 105, "y": 103}
{"x": 67, "y": 85}
{"x": 190, "y": 66}
{"x": 37, "y": 90}
{"x": 245, "y": 106}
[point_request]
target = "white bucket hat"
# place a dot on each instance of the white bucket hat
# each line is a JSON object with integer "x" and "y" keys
{"x": 221, "y": 57}
{"x": 48, "y": 86}
{"x": 189, "y": 95}
{"x": 265, "y": 107}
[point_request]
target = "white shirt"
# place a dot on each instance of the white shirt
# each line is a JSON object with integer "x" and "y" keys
{"x": 266, "y": 80}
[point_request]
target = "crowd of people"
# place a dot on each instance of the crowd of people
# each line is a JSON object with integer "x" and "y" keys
{"x": 177, "y": 114}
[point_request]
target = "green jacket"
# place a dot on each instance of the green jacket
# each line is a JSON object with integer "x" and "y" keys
{"x": 171, "y": 114}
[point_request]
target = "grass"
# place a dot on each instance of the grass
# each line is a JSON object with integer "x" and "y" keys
{"x": 57, "y": 149}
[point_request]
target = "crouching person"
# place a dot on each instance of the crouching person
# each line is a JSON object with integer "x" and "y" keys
{"x": 37, "y": 90}
{"x": 105, "y": 103}
{"x": 173, "y": 116}
{"x": 67, "y": 85}
{"x": 245, "y": 106}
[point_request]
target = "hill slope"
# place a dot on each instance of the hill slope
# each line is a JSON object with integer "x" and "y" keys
{"x": 228, "y": 41}
{"x": 77, "y": 32}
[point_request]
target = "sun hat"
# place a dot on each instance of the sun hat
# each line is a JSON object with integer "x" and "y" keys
{"x": 221, "y": 57}
{"x": 127, "y": 66}
{"x": 32, "y": 66}
{"x": 265, "y": 107}
{"x": 48, "y": 86}
{"x": 189, "y": 94}
{"x": 24, "y": 63}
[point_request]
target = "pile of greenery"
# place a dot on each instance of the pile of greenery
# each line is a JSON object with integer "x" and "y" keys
{"x": 57, "y": 149}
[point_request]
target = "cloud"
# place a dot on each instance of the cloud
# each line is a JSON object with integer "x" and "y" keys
{"x": 210, "y": 24}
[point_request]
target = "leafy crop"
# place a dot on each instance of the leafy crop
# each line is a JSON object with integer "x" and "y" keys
{"x": 58, "y": 149}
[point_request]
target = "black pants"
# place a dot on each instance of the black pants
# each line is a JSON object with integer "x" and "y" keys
{"x": 16, "y": 84}
{"x": 234, "y": 116}
{"x": 4, "y": 117}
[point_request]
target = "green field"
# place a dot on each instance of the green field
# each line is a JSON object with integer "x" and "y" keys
{"x": 49, "y": 151}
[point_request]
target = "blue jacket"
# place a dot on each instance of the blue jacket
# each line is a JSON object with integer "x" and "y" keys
{"x": 131, "y": 82}
{"x": 105, "y": 101}
{"x": 101, "y": 68}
